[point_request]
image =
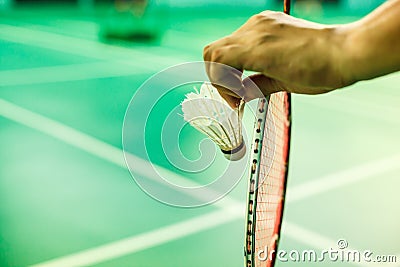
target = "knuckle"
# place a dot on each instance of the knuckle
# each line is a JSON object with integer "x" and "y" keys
{"x": 263, "y": 17}
{"x": 217, "y": 54}
{"x": 206, "y": 52}
{"x": 270, "y": 13}
{"x": 264, "y": 38}
{"x": 215, "y": 50}
{"x": 256, "y": 18}
{"x": 229, "y": 47}
{"x": 267, "y": 13}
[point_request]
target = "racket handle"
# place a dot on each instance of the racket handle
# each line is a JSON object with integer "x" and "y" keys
{"x": 286, "y": 6}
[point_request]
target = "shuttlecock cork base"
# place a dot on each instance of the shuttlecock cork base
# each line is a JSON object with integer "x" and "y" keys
{"x": 236, "y": 153}
{"x": 209, "y": 113}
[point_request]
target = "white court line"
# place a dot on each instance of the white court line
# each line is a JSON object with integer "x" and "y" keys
{"x": 113, "y": 155}
{"x": 62, "y": 132}
{"x": 63, "y": 73}
{"x": 149, "y": 58}
{"x": 101, "y": 149}
{"x": 372, "y": 103}
{"x": 343, "y": 178}
{"x": 147, "y": 240}
{"x": 366, "y": 110}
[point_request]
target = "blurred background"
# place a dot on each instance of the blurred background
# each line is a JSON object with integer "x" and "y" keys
{"x": 68, "y": 70}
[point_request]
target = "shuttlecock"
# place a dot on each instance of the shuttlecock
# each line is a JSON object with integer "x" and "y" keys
{"x": 209, "y": 113}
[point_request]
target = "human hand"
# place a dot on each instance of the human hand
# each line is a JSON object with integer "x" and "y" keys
{"x": 289, "y": 54}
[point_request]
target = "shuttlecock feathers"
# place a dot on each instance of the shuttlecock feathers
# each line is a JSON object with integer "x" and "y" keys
{"x": 209, "y": 113}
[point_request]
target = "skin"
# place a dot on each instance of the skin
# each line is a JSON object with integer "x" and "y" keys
{"x": 299, "y": 56}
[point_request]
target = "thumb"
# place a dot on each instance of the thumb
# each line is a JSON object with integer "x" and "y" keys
{"x": 256, "y": 84}
{"x": 233, "y": 101}
{"x": 259, "y": 85}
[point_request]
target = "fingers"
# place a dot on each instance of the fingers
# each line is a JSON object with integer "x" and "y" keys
{"x": 227, "y": 79}
{"x": 224, "y": 70}
{"x": 232, "y": 101}
{"x": 254, "y": 86}
{"x": 222, "y": 66}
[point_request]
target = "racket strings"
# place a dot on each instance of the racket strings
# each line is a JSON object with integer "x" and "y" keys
{"x": 272, "y": 176}
{"x": 271, "y": 179}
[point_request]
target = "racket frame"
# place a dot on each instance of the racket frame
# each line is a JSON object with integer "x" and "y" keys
{"x": 251, "y": 218}
{"x": 253, "y": 182}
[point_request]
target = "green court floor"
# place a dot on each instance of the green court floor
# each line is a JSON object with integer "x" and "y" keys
{"x": 67, "y": 198}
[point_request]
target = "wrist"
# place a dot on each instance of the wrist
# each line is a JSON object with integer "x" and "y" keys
{"x": 346, "y": 54}
{"x": 361, "y": 60}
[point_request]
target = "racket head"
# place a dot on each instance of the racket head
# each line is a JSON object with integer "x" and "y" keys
{"x": 267, "y": 179}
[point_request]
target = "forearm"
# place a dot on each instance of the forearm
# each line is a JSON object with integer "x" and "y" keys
{"x": 302, "y": 57}
{"x": 373, "y": 43}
